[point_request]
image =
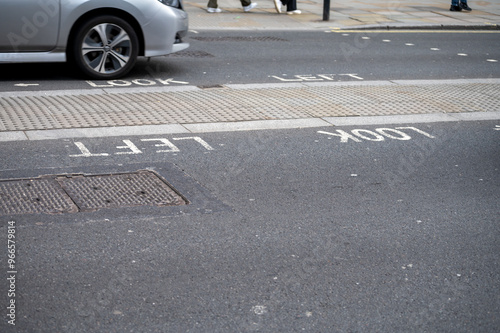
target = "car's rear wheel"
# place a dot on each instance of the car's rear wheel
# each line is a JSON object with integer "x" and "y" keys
{"x": 105, "y": 47}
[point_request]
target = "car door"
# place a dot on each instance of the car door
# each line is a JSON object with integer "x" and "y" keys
{"x": 29, "y": 25}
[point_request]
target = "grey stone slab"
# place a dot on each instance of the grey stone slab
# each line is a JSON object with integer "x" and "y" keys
{"x": 105, "y": 132}
{"x": 13, "y": 136}
{"x": 256, "y": 125}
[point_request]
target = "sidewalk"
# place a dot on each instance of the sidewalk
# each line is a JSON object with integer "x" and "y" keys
{"x": 345, "y": 14}
{"x": 146, "y": 111}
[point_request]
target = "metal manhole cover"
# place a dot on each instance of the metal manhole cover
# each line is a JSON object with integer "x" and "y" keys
{"x": 142, "y": 188}
{"x": 33, "y": 196}
{"x": 54, "y": 194}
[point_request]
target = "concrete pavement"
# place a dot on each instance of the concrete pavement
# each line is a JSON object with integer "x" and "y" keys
{"x": 345, "y": 14}
{"x": 109, "y": 112}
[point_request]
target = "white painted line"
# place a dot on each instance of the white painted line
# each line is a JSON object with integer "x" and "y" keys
{"x": 256, "y": 125}
{"x": 85, "y": 152}
{"x": 26, "y": 84}
{"x": 12, "y": 136}
{"x": 409, "y": 44}
{"x": 434, "y": 49}
{"x": 462, "y": 54}
{"x": 105, "y": 132}
{"x": 197, "y": 139}
{"x": 491, "y": 60}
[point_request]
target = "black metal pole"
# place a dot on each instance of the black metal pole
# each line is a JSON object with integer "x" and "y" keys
{"x": 326, "y": 10}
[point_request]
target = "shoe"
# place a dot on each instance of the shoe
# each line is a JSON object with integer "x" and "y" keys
{"x": 213, "y": 10}
{"x": 250, "y": 7}
{"x": 277, "y": 5}
{"x": 455, "y": 9}
{"x": 294, "y": 12}
{"x": 465, "y": 7}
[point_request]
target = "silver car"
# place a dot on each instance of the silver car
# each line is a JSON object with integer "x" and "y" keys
{"x": 103, "y": 38}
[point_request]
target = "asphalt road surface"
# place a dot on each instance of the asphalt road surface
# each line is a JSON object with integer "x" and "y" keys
{"x": 386, "y": 228}
{"x": 223, "y": 57}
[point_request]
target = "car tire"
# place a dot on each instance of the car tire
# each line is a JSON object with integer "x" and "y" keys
{"x": 105, "y": 47}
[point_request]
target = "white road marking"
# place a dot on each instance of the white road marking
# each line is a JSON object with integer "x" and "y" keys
{"x": 85, "y": 152}
{"x": 259, "y": 309}
{"x": 128, "y": 145}
{"x": 197, "y": 139}
{"x": 26, "y": 84}
{"x": 164, "y": 143}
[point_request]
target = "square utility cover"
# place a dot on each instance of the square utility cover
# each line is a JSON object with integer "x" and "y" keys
{"x": 141, "y": 188}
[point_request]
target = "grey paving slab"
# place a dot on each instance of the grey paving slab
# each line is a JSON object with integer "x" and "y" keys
{"x": 101, "y": 132}
{"x": 256, "y": 125}
{"x": 380, "y": 120}
{"x": 13, "y": 136}
{"x": 477, "y": 116}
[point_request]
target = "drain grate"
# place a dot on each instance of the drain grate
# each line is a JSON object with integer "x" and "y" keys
{"x": 72, "y": 193}
{"x": 239, "y": 39}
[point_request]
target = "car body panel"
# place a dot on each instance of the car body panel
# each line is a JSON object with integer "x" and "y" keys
{"x": 52, "y": 22}
{"x": 28, "y": 25}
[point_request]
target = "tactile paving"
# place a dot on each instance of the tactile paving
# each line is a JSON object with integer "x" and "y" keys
{"x": 223, "y": 104}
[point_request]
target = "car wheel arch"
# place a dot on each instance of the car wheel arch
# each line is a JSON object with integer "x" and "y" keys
{"x": 106, "y": 11}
